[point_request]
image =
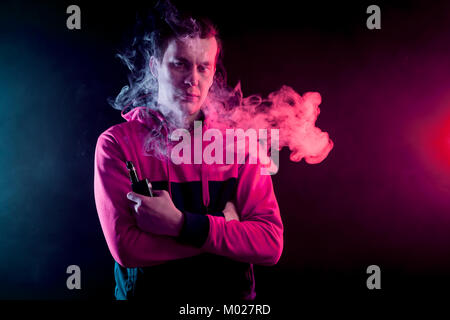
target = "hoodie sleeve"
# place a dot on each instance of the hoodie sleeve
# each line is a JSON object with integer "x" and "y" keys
{"x": 129, "y": 246}
{"x": 258, "y": 236}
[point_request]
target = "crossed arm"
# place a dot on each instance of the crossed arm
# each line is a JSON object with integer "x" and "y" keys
{"x": 142, "y": 231}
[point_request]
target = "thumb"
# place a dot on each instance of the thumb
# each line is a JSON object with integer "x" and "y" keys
{"x": 133, "y": 196}
{"x": 161, "y": 193}
{"x": 164, "y": 193}
{"x": 229, "y": 205}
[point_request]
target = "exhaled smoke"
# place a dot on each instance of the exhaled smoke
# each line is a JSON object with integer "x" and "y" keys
{"x": 294, "y": 115}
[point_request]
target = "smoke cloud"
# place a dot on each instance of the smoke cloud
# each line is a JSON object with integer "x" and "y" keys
{"x": 225, "y": 108}
{"x": 294, "y": 115}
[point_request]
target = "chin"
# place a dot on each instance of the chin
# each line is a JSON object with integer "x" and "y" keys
{"x": 190, "y": 108}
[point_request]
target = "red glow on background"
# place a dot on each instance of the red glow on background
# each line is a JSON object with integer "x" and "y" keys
{"x": 440, "y": 142}
{"x": 434, "y": 139}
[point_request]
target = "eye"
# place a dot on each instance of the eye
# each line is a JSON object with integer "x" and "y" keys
{"x": 203, "y": 69}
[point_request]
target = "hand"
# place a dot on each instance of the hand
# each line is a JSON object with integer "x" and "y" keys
{"x": 157, "y": 214}
{"x": 230, "y": 212}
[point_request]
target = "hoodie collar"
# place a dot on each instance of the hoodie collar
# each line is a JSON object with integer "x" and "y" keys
{"x": 143, "y": 115}
{"x": 150, "y": 117}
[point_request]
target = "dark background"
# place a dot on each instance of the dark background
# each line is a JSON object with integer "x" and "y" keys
{"x": 381, "y": 197}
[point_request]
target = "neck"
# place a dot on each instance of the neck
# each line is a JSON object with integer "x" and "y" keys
{"x": 180, "y": 118}
{"x": 193, "y": 117}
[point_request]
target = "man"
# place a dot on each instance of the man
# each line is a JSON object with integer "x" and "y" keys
{"x": 206, "y": 225}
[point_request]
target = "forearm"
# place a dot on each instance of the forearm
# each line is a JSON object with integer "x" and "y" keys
{"x": 133, "y": 247}
{"x": 258, "y": 242}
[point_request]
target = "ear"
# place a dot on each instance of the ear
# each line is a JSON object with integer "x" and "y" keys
{"x": 213, "y": 76}
{"x": 153, "y": 65}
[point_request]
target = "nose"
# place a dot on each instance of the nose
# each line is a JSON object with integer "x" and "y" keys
{"x": 192, "y": 78}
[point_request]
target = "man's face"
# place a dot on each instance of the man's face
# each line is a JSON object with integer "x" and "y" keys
{"x": 186, "y": 73}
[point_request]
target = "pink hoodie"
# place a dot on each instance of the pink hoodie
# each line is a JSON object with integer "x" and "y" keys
{"x": 256, "y": 239}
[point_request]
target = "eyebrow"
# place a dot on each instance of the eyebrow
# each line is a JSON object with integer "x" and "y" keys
{"x": 205, "y": 63}
{"x": 181, "y": 59}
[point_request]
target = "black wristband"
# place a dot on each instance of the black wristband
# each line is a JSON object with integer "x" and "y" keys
{"x": 195, "y": 229}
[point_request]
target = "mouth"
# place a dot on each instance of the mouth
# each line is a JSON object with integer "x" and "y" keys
{"x": 190, "y": 97}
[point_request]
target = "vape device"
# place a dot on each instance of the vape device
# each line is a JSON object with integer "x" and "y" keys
{"x": 138, "y": 186}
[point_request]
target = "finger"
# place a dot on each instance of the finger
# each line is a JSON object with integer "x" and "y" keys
{"x": 158, "y": 193}
{"x": 164, "y": 193}
{"x": 229, "y": 205}
{"x": 133, "y": 197}
{"x": 149, "y": 185}
{"x": 136, "y": 207}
